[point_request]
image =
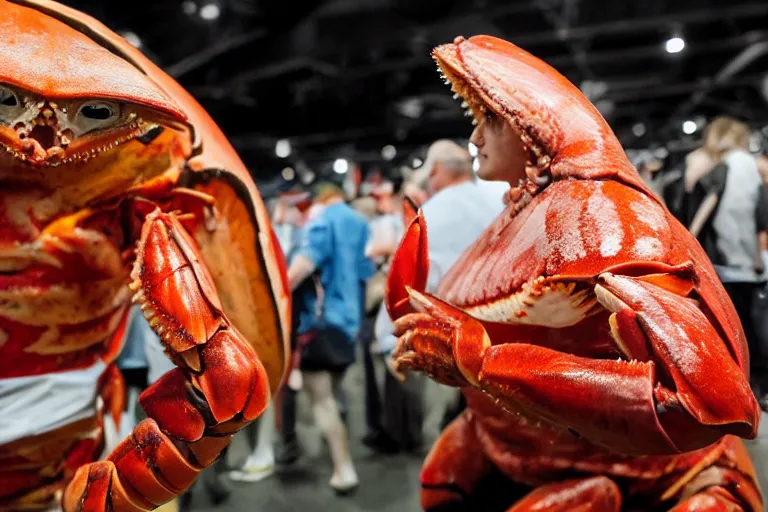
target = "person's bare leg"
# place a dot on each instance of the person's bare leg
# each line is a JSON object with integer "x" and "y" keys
{"x": 264, "y": 453}
{"x": 261, "y": 461}
{"x": 320, "y": 388}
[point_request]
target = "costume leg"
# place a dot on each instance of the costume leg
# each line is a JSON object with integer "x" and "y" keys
{"x": 596, "y": 494}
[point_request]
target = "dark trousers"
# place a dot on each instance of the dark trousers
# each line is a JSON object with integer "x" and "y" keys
{"x": 404, "y": 409}
{"x": 288, "y": 416}
{"x": 454, "y": 410}
{"x": 743, "y": 297}
{"x": 373, "y": 409}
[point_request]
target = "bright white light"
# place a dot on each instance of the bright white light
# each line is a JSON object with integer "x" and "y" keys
{"x": 476, "y": 165}
{"x": 288, "y": 173}
{"x": 675, "y": 44}
{"x": 132, "y": 38}
{"x": 283, "y": 148}
{"x": 689, "y": 127}
{"x": 189, "y": 7}
{"x": 307, "y": 178}
{"x": 210, "y": 12}
{"x": 638, "y": 129}
{"x": 388, "y": 152}
{"x": 417, "y": 162}
{"x": 472, "y": 150}
{"x": 340, "y": 166}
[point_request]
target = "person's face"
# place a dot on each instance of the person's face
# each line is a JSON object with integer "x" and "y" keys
{"x": 293, "y": 216}
{"x": 384, "y": 204}
{"x": 416, "y": 193}
{"x": 439, "y": 178}
{"x": 500, "y": 151}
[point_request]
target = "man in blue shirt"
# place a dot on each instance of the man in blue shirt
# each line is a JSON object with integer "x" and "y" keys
{"x": 333, "y": 248}
{"x": 334, "y": 245}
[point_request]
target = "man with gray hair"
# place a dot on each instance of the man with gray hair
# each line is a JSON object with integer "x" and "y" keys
{"x": 447, "y": 164}
{"x": 459, "y": 209}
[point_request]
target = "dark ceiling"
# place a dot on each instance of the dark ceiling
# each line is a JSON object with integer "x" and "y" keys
{"x": 343, "y": 78}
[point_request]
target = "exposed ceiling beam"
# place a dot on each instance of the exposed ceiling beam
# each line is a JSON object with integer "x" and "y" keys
{"x": 330, "y": 76}
{"x": 678, "y": 89}
{"x": 562, "y": 23}
{"x": 263, "y": 140}
{"x": 203, "y": 57}
{"x": 736, "y": 109}
{"x": 656, "y": 50}
{"x": 725, "y": 76}
{"x": 634, "y": 25}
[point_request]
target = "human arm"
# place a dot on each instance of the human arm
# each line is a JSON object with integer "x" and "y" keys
{"x": 300, "y": 268}
{"x": 314, "y": 250}
{"x": 714, "y": 185}
{"x": 762, "y": 227}
{"x": 702, "y": 214}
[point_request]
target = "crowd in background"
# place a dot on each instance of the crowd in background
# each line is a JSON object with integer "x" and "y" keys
{"x": 339, "y": 248}
{"x": 719, "y": 193}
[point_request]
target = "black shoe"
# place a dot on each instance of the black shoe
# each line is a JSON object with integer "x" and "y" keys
{"x": 185, "y": 501}
{"x": 288, "y": 453}
{"x": 345, "y": 492}
{"x": 219, "y": 496}
{"x": 218, "y": 491}
{"x": 414, "y": 448}
{"x": 381, "y": 442}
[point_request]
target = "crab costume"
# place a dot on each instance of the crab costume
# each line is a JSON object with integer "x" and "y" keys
{"x": 603, "y": 364}
{"x": 116, "y": 186}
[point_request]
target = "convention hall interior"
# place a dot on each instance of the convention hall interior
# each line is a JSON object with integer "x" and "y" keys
{"x": 609, "y": 375}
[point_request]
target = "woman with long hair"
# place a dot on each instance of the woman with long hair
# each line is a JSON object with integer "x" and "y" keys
{"x": 724, "y": 185}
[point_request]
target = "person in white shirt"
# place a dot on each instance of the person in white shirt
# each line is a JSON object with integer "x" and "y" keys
{"x": 728, "y": 223}
{"x": 459, "y": 209}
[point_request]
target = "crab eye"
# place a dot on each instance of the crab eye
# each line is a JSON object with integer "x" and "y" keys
{"x": 99, "y": 111}
{"x": 8, "y": 98}
{"x": 97, "y": 114}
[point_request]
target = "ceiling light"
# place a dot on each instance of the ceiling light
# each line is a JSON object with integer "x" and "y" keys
{"x": 132, "y": 38}
{"x": 340, "y": 166}
{"x": 288, "y": 173}
{"x": 689, "y": 127}
{"x": 472, "y": 149}
{"x": 638, "y": 129}
{"x": 210, "y": 12}
{"x": 674, "y": 44}
{"x": 189, "y": 7}
{"x": 283, "y": 148}
{"x": 388, "y": 152}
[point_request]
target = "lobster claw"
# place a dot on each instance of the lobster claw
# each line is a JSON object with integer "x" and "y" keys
{"x": 410, "y": 264}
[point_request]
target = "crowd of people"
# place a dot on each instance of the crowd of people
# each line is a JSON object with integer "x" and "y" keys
{"x": 339, "y": 249}
{"x": 719, "y": 193}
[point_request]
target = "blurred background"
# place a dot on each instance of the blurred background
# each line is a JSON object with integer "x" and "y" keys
{"x": 300, "y": 84}
{"x": 344, "y": 92}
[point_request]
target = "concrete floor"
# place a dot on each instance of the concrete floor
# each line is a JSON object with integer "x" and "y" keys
{"x": 388, "y": 483}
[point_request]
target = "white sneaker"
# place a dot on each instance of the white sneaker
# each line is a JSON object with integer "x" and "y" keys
{"x": 254, "y": 470}
{"x": 249, "y": 474}
{"x": 295, "y": 380}
{"x": 345, "y": 480}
